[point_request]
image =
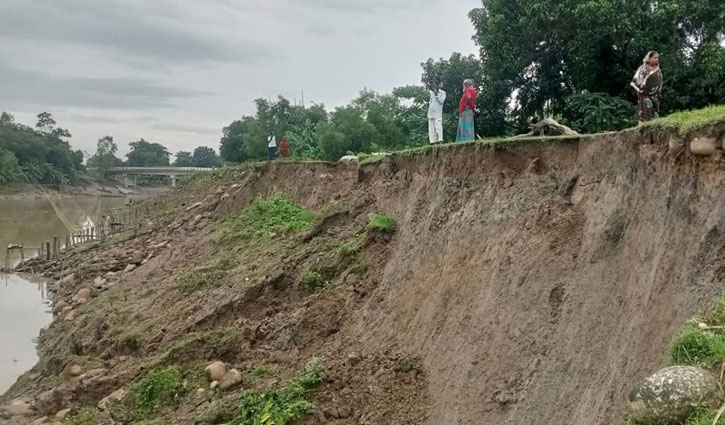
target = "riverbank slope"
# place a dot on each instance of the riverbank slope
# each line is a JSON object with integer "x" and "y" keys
{"x": 503, "y": 282}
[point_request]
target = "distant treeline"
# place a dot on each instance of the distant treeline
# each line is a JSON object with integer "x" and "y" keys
{"x": 37, "y": 155}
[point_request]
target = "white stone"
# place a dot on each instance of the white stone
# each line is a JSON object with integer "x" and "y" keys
{"x": 216, "y": 371}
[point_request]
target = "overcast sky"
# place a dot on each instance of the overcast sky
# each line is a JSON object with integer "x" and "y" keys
{"x": 176, "y": 72}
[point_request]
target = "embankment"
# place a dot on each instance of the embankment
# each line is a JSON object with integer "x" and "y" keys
{"x": 532, "y": 281}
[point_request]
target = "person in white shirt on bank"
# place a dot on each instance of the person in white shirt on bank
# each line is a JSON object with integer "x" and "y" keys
{"x": 435, "y": 113}
{"x": 272, "y": 146}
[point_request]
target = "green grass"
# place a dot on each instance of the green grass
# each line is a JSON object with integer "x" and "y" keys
{"x": 225, "y": 340}
{"x": 696, "y": 347}
{"x": 209, "y": 275}
{"x": 283, "y": 405}
{"x": 314, "y": 281}
{"x": 84, "y": 416}
{"x": 349, "y": 249}
{"x": 382, "y": 224}
{"x": 259, "y": 372}
{"x": 149, "y": 394}
{"x": 265, "y": 216}
{"x": 215, "y": 414}
{"x": 403, "y": 366}
{"x": 688, "y": 121}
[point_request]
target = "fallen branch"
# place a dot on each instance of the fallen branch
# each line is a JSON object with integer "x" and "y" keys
{"x": 538, "y": 128}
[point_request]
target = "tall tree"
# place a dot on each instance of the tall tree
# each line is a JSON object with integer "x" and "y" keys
{"x": 205, "y": 157}
{"x": 105, "y": 156}
{"x": 146, "y": 154}
{"x": 184, "y": 159}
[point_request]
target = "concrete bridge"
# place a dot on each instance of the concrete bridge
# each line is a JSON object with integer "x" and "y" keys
{"x": 128, "y": 174}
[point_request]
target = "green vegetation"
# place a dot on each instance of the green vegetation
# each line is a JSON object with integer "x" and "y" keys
{"x": 208, "y": 275}
{"x": 349, "y": 249}
{"x": 284, "y": 405}
{"x": 403, "y": 366}
{"x": 84, "y": 416}
{"x": 215, "y": 414}
{"x": 152, "y": 392}
{"x": 265, "y": 216}
{"x": 314, "y": 281}
{"x": 382, "y": 224}
{"x": 225, "y": 340}
{"x": 697, "y": 347}
{"x": 259, "y": 372}
{"x": 688, "y": 121}
{"x": 39, "y": 155}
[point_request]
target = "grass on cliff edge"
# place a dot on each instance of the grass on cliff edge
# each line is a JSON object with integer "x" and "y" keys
{"x": 265, "y": 216}
{"x": 685, "y": 122}
{"x": 154, "y": 391}
{"x": 284, "y": 405}
{"x": 702, "y": 341}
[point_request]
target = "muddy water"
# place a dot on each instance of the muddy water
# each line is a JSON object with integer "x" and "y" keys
{"x": 24, "y": 308}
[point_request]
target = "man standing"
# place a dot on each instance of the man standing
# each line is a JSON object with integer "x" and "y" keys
{"x": 435, "y": 114}
{"x": 272, "y": 146}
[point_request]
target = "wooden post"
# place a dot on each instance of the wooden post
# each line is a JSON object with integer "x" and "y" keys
{"x": 55, "y": 247}
{"x": 47, "y": 251}
{"x": 93, "y": 233}
{"x": 67, "y": 242}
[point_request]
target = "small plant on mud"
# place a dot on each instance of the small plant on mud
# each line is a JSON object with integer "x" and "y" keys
{"x": 403, "y": 366}
{"x": 259, "y": 372}
{"x": 265, "y": 216}
{"x": 154, "y": 391}
{"x": 314, "y": 281}
{"x": 200, "y": 278}
{"x": 84, "y": 416}
{"x": 349, "y": 249}
{"x": 282, "y": 406}
{"x": 382, "y": 224}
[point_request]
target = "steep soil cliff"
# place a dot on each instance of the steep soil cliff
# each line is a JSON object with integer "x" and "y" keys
{"x": 528, "y": 281}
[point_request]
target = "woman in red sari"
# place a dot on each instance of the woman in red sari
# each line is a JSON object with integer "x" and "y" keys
{"x": 466, "y": 109}
{"x": 284, "y": 147}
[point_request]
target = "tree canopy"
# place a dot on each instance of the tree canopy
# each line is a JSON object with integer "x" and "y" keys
{"x": 147, "y": 154}
{"x": 37, "y": 155}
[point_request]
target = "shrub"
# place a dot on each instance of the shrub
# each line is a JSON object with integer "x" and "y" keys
{"x": 84, "y": 416}
{"x": 314, "y": 281}
{"x": 259, "y": 372}
{"x": 266, "y": 215}
{"x": 597, "y": 112}
{"x": 697, "y": 347}
{"x": 382, "y": 224}
{"x": 282, "y": 406}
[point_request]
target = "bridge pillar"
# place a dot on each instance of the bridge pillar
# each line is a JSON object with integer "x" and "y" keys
{"x": 129, "y": 180}
{"x": 173, "y": 180}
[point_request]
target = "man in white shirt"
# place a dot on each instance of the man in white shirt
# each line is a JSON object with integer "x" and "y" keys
{"x": 272, "y": 146}
{"x": 435, "y": 114}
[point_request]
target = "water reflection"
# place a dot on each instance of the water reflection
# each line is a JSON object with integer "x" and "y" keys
{"x": 24, "y": 310}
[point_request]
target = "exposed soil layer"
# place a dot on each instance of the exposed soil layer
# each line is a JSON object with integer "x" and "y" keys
{"x": 527, "y": 282}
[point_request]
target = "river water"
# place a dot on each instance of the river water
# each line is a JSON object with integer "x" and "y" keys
{"x": 24, "y": 307}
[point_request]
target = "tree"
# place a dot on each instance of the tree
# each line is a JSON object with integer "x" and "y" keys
{"x": 538, "y": 52}
{"x": 105, "y": 156}
{"x": 205, "y": 157}
{"x": 184, "y": 159}
{"x": 347, "y": 132}
{"x": 145, "y": 154}
{"x": 45, "y": 123}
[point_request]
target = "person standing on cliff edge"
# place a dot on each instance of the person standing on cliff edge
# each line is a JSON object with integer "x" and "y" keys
{"x": 271, "y": 146}
{"x": 647, "y": 82}
{"x": 466, "y": 108}
{"x": 435, "y": 113}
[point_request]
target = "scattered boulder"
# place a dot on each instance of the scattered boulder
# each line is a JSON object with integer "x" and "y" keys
{"x": 71, "y": 316}
{"x": 83, "y": 293}
{"x": 75, "y": 370}
{"x": 216, "y": 371}
{"x": 703, "y": 146}
{"x": 670, "y": 395}
{"x": 231, "y": 379}
{"x": 19, "y": 408}
{"x": 62, "y": 414}
{"x": 50, "y": 401}
{"x": 111, "y": 399}
{"x": 129, "y": 268}
{"x": 213, "y": 385}
{"x": 66, "y": 309}
{"x": 59, "y": 306}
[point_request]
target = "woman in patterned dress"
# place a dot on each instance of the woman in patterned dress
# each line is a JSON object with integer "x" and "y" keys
{"x": 647, "y": 82}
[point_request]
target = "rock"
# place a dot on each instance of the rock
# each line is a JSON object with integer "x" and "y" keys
{"x": 671, "y": 394}
{"x": 111, "y": 399}
{"x": 68, "y": 279}
{"x": 676, "y": 144}
{"x": 62, "y": 414}
{"x": 59, "y": 306}
{"x": 231, "y": 379}
{"x": 194, "y": 206}
{"x": 225, "y": 196}
{"x": 50, "y": 401}
{"x": 332, "y": 413}
{"x": 129, "y": 268}
{"x": 99, "y": 282}
{"x": 353, "y": 358}
{"x": 344, "y": 412}
{"x": 75, "y": 370}
{"x": 83, "y": 293}
{"x": 67, "y": 309}
{"x": 81, "y": 301}
{"x": 216, "y": 371}
{"x": 703, "y": 146}
{"x": 71, "y": 316}
{"x": 349, "y": 159}
{"x": 213, "y": 385}
{"x": 19, "y": 408}
{"x": 197, "y": 219}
